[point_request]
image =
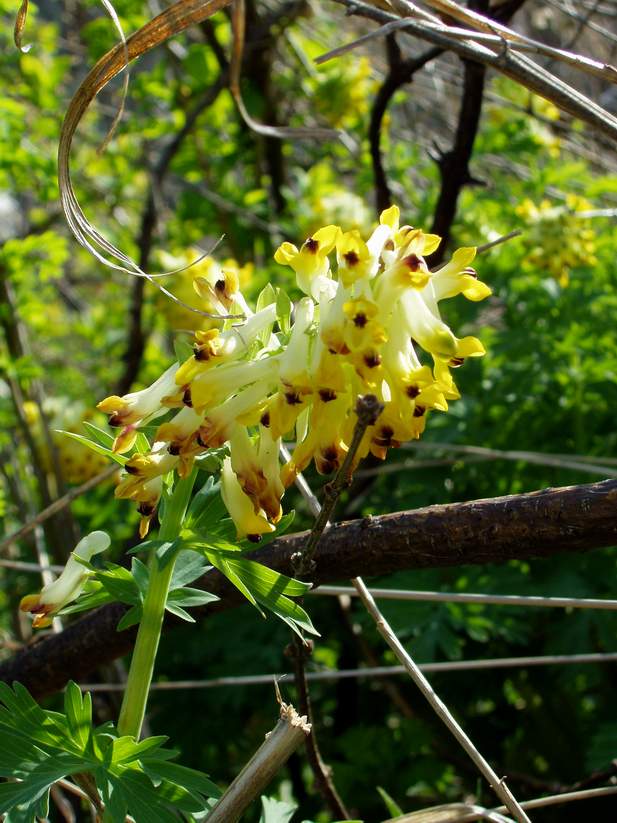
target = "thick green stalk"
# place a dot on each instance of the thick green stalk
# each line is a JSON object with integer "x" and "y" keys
{"x": 149, "y": 633}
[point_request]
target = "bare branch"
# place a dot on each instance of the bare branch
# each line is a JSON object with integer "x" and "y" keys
{"x": 516, "y": 66}
{"x": 400, "y": 72}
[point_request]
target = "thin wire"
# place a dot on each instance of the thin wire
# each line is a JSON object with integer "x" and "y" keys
{"x": 372, "y": 671}
{"x": 493, "y": 599}
{"x": 559, "y": 461}
{"x": 32, "y": 568}
{"x": 529, "y": 601}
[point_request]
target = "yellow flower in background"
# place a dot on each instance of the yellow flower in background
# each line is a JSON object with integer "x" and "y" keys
{"x": 371, "y": 307}
{"x": 556, "y": 237}
{"x": 77, "y": 462}
{"x": 204, "y": 285}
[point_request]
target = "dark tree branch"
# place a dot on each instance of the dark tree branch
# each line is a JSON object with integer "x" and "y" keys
{"x": 536, "y": 524}
{"x": 321, "y": 771}
{"x": 454, "y": 164}
{"x": 400, "y": 72}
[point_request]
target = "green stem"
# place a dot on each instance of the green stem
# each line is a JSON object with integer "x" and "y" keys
{"x": 149, "y": 633}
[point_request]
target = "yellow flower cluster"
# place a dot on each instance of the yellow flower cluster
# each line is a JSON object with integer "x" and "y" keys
{"x": 558, "y": 239}
{"x": 369, "y": 308}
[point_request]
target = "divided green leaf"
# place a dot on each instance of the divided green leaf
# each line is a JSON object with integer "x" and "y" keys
{"x": 39, "y": 747}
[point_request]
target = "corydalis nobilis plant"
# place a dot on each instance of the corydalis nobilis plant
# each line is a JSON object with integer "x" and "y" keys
{"x": 368, "y": 307}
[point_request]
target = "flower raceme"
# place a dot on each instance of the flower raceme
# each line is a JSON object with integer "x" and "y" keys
{"x": 369, "y": 309}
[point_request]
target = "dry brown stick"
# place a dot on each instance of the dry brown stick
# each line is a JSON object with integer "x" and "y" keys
{"x": 439, "y": 707}
{"x": 470, "y": 17}
{"x": 368, "y": 409}
{"x": 522, "y": 526}
{"x": 271, "y": 756}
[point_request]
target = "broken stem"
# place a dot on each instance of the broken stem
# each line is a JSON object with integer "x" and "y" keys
{"x": 274, "y": 752}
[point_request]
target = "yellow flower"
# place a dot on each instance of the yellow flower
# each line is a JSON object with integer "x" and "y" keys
{"x": 250, "y": 465}
{"x": 248, "y": 522}
{"x": 246, "y": 407}
{"x": 195, "y": 285}
{"x": 457, "y": 277}
{"x": 213, "y": 348}
{"x": 213, "y": 387}
{"x": 179, "y": 430}
{"x": 354, "y": 257}
{"x": 324, "y": 442}
{"x": 55, "y": 596}
{"x": 362, "y": 328}
{"x": 295, "y": 385}
{"x": 310, "y": 263}
{"x": 138, "y": 407}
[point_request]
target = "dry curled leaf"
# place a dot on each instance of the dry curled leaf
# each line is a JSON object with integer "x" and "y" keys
{"x": 451, "y": 813}
{"x": 173, "y": 20}
{"x": 280, "y": 132}
{"x": 20, "y": 22}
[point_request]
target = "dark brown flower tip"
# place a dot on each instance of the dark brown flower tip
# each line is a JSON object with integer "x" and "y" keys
{"x": 413, "y": 262}
{"x": 327, "y": 395}
{"x": 200, "y": 354}
{"x": 265, "y": 419}
{"x": 254, "y": 538}
{"x": 412, "y": 391}
{"x": 372, "y": 360}
{"x": 330, "y": 454}
{"x": 186, "y": 397}
{"x": 146, "y": 509}
{"x": 312, "y": 245}
{"x": 200, "y": 441}
{"x": 293, "y": 398}
{"x": 115, "y": 420}
{"x": 384, "y": 438}
{"x": 455, "y": 362}
{"x": 470, "y": 271}
{"x": 219, "y": 286}
{"x": 174, "y": 449}
{"x": 419, "y": 411}
{"x": 360, "y": 320}
{"x": 351, "y": 258}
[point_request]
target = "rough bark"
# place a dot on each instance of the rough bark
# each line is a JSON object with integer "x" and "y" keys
{"x": 536, "y": 524}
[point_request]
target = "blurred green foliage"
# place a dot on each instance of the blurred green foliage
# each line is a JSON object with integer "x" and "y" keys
{"x": 547, "y": 384}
